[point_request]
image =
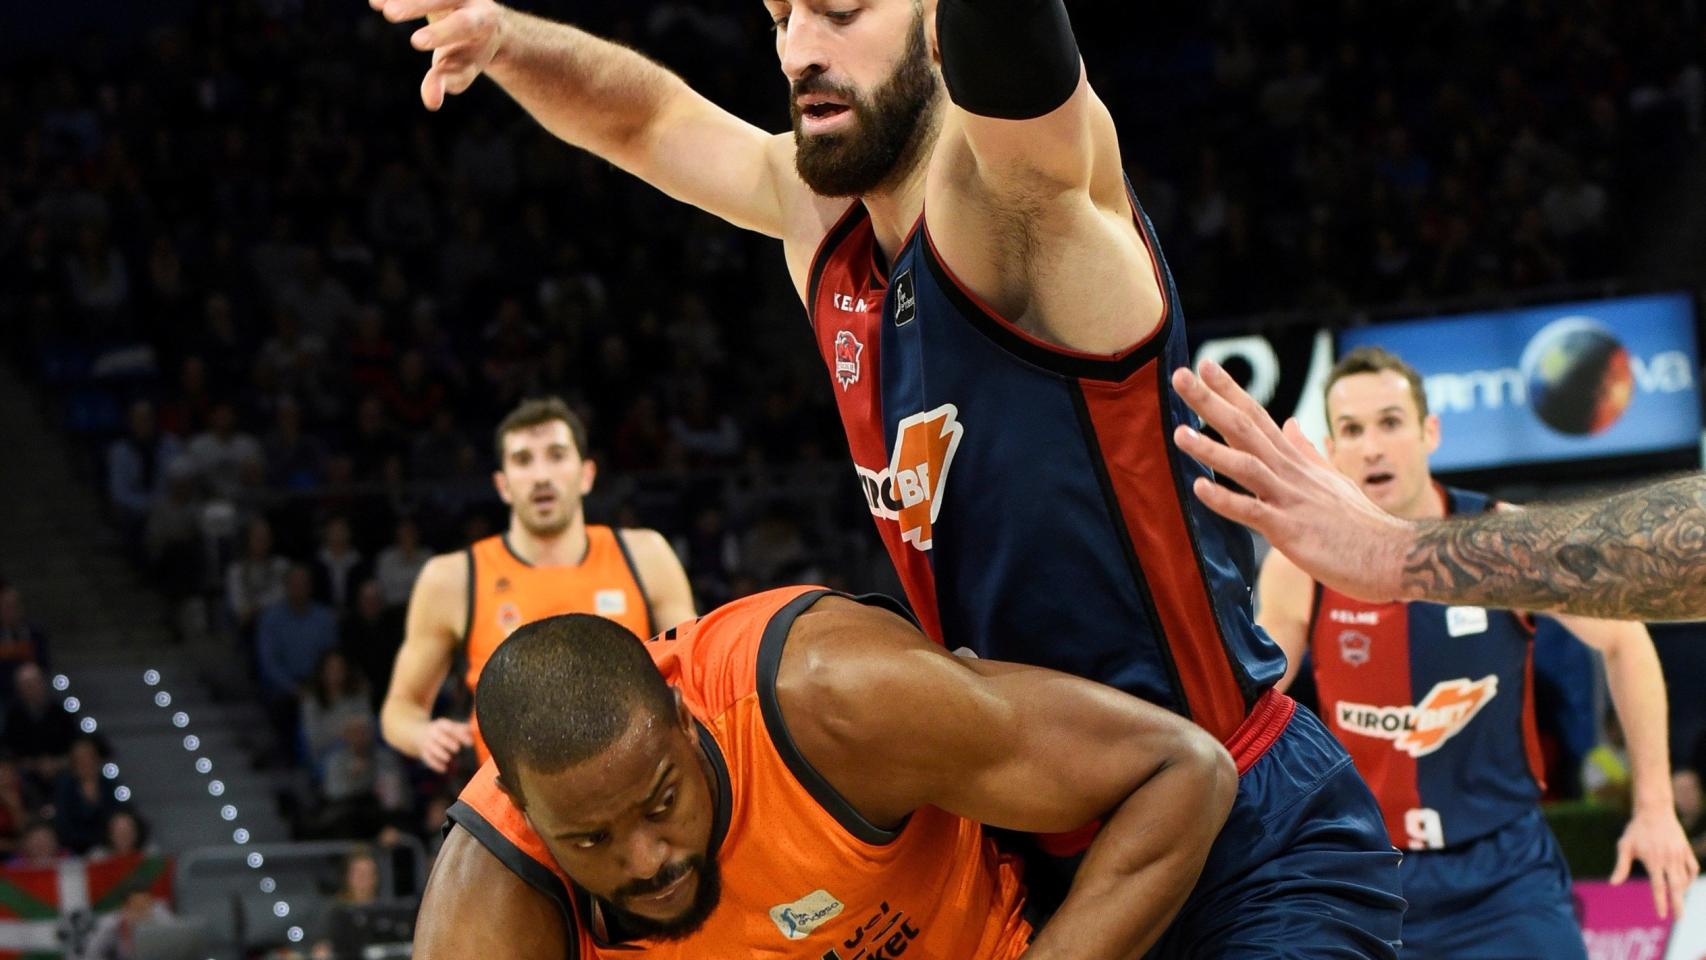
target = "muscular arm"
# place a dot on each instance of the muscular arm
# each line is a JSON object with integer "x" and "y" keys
{"x": 611, "y": 101}
{"x": 474, "y": 906}
{"x": 1016, "y": 747}
{"x": 1640, "y": 554}
{"x": 1285, "y": 598}
{"x": 438, "y": 610}
{"x": 665, "y": 582}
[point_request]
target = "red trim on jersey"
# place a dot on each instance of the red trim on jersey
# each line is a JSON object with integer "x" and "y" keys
{"x": 1135, "y": 444}
{"x": 1380, "y": 674}
{"x": 1261, "y": 729}
{"x": 1530, "y": 725}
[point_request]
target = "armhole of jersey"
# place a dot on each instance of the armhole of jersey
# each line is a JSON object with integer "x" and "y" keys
{"x": 473, "y": 595}
{"x": 831, "y": 242}
{"x": 769, "y": 662}
{"x": 531, "y": 871}
{"x": 639, "y": 582}
{"x": 1062, "y": 361}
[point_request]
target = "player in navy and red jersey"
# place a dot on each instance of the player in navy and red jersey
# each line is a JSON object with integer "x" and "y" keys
{"x": 1436, "y": 704}
{"x": 1000, "y": 366}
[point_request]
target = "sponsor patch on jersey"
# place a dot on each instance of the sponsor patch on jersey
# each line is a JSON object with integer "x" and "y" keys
{"x": 610, "y": 603}
{"x": 1421, "y": 729}
{"x": 848, "y": 350}
{"x": 905, "y": 301}
{"x": 1463, "y": 621}
{"x": 509, "y": 618}
{"x": 909, "y": 489}
{"x": 1355, "y": 647}
{"x": 1361, "y": 618}
{"x": 798, "y": 919}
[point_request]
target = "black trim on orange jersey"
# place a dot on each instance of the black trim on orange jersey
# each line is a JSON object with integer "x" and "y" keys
{"x": 510, "y": 549}
{"x": 473, "y": 594}
{"x": 769, "y": 663}
{"x": 531, "y": 871}
{"x": 1182, "y": 492}
{"x": 832, "y": 242}
{"x": 634, "y": 572}
{"x": 725, "y": 790}
{"x": 1116, "y": 517}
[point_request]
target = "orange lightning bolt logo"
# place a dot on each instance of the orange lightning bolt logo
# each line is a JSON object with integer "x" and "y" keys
{"x": 1425, "y": 727}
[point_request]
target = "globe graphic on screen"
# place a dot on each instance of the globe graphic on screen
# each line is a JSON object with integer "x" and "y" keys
{"x": 1578, "y": 375}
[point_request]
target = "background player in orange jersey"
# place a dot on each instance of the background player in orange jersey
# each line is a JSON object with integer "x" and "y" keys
{"x": 549, "y": 561}
{"x": 806, "y": 778}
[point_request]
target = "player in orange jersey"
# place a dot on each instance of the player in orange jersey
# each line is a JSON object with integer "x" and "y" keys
{"x": 807, "y": 778}
{"x": 549, "y": 561}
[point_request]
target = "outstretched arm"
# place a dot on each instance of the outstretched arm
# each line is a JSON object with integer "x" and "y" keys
{"x": 1016, "y": 747}
{"x": 1654, "y": 836}
{"x": 1638, "y": 555}
{"x": 607, "y": 99}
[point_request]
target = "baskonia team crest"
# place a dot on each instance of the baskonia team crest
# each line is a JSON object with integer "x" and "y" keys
{"x": 847, "y": 352}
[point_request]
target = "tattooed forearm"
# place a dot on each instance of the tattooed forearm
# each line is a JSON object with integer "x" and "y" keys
{"x": 1639, "y": 555}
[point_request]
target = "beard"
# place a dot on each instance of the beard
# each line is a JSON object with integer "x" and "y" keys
{"x": 541, "y": 527}
{"x": 679, "y": 927}
{"x": 887, "y": 133}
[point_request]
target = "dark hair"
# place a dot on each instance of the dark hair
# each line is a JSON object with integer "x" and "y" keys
{"x": 531, "y": 413}
{"x": 562, "y": 690}
{"x": 354, "y": 683}
{"x": 1377, "y": 360}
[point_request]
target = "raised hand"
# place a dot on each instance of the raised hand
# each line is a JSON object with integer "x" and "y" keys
{"x": 463, "y": 36}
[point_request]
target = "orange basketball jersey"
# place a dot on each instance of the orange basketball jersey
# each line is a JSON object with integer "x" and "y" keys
{"x": 505, "y": 591}
{"x": 804, "y": 876}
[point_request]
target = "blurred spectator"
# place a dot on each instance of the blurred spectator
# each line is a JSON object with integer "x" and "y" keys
{"x": 434, "y": 454}
{"x": 38, "y": 730}
{"x": 188, "y": 410}
{"x": 125, "y": 835}
{"x": 292, "y": 635}
{"x": 371, "y": 636}
{"x": 114, "y": 936}
{"x": 172, "y": 537}
{"x": 82, "y": 799}
{"x": 337, "y": 695}
{"x": 363, "y": 782}
{"x": 136, "y": 468}
{"x": 374, "y": 441}
{"x": 255, "y": 580}
{"x": 400, "y": 563}
{"x": 98, "y": 277}
{"x": 295, "y": 461}
{"x": 319, "y": 300}
{"x": 218, "y": 452}
{"x": 360, "y": 885}
{"x": 338, "y": 566}
{"x": 21, "y": 641}
{"x": 19, "y": 804}
{"x": 38, "y": 849}
{"x": 706, "y": 434}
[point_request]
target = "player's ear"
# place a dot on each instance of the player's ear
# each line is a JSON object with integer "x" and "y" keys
{"x": 514, "y": 794}
{"x": 1430, "y": 432}
{"x": 589, "y": 472}
{"x": 501, "y": 483}
{"x": 928, "y": 11}
{"x": 682, "y": 715}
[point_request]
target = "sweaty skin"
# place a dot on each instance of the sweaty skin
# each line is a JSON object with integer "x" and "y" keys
{"x": 993, "y": 742}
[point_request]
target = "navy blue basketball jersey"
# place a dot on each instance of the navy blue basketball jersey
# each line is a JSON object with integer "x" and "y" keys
{"x": 1029, "y": 495}
{"x": 1436, "y": 706}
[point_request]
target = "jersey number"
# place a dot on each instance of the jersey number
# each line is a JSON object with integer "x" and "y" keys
{"x": 1426, "y": 830}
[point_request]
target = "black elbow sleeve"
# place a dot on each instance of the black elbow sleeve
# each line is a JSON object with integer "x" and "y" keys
{"x": 1008, "y": 59}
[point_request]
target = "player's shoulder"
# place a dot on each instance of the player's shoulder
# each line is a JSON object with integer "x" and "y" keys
{"x": 846, "y": 657}
{"x": 475, "y": 904}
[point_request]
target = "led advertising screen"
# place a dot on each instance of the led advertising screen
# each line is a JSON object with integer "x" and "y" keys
{"x": 1568, "y": 381}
